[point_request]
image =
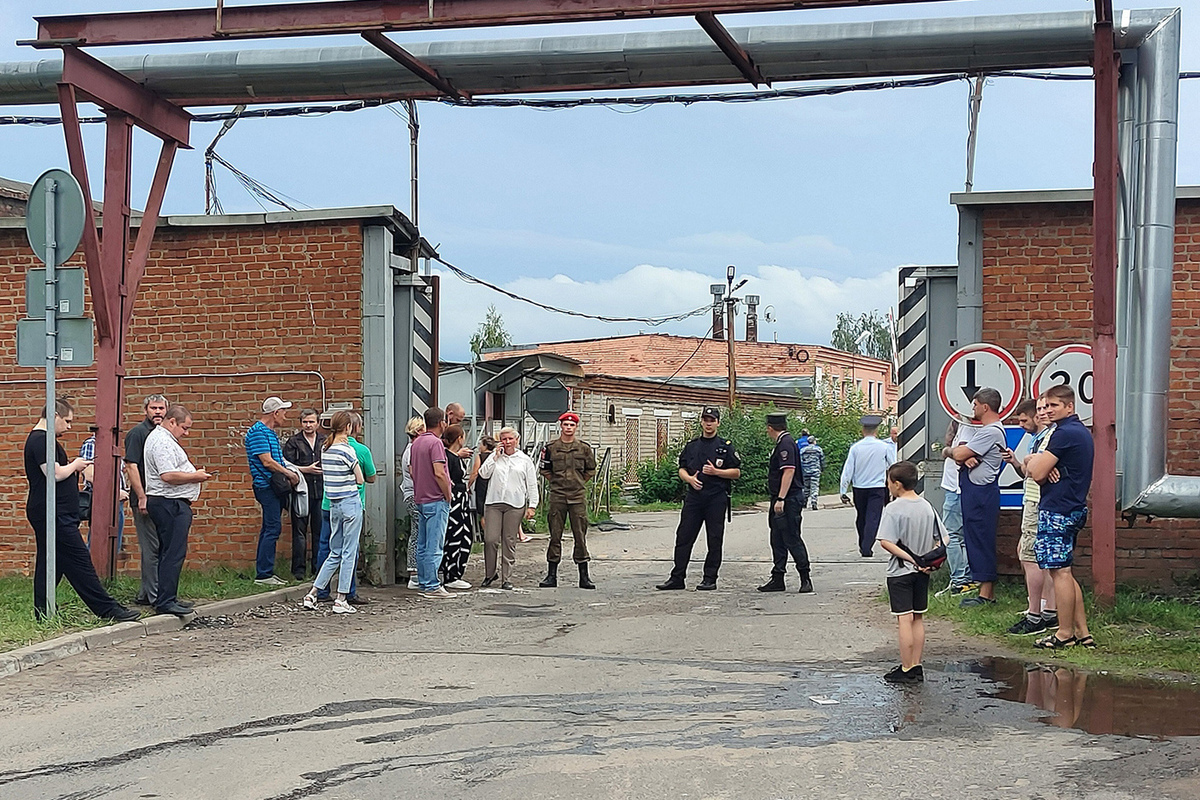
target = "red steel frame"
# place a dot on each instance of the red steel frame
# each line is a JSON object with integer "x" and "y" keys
{"x": 114, "y": 273}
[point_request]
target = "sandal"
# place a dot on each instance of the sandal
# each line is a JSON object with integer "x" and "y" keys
{"x": 1086, "y": 642}
{"x": 1052, "y": 642}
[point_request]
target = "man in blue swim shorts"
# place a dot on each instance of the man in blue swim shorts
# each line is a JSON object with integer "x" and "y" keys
{"x": 1062, "y": 513}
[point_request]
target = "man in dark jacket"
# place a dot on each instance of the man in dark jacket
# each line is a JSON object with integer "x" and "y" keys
{"x": 304, "y": 451}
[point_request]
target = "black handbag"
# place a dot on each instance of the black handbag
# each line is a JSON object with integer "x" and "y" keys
{"x": 936, "y": 557}
{"x": 281, "y": 486}
{"x": 85, "y": 505}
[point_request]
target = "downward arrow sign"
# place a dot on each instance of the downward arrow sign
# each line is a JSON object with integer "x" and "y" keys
{"x": 972, "y": 387}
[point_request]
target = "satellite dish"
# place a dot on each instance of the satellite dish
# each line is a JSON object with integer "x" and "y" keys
{"x": 769, "y": 313}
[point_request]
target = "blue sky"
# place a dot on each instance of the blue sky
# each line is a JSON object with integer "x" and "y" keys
{"x": 817, "y": 201}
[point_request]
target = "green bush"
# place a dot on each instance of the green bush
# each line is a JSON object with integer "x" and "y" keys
{"x": 746, "y": 427}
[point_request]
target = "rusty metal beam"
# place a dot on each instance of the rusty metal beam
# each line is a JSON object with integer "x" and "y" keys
{"x": 356, "y": 16}
{"x": 414, "y": 65}
{"x": 112, "y": 91}
{"x": 1105, "y": 176}
{"x": 732, "y": 50}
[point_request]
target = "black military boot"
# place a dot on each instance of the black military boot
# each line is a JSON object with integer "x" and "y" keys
{"x": 551, "y": 579}
{"x": 806, "y": 586}
{"x": 584, "y": 581}
{"x": 774, "y": 585}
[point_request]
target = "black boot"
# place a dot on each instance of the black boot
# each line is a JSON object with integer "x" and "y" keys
{"x": 774, "y": 585}
{"x": 806, "y": 586}
{"x": 551, "y": 579}
{"x": 584, "y": 581}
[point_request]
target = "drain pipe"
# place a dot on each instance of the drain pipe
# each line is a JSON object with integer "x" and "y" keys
{"x": 1127, "y": 183}
{"x": 1147, "y": 488}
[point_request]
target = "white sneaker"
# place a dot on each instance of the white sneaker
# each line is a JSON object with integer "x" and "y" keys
{"x": 439, "y": 593}
{"x": 413, "y": 583}
{"x": 342, "y": 607}
{"x": 309, "y": 602}
{"x": 458, "y": 584}
{"x": 271, "y": 581}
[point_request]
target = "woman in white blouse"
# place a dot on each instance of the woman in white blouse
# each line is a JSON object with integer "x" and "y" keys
{"x": 512, "y": 496}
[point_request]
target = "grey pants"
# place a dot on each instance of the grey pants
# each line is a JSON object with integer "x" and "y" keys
{"x": 148, "y": 545}
{"x": 814, "y": 488}
{"x": 502, "y": 525}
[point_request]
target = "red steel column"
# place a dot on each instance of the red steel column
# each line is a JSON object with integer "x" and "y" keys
{"x": 1104, "y": 350}
{"x": 110, "y": 352}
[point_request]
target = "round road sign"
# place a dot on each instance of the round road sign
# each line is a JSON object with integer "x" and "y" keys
{"x": 1070, "y": 365}
{"x": 969, "y": 369}
{"x": 69, "y": 215}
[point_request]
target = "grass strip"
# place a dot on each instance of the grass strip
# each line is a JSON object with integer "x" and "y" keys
{"x": 19, "y": 628}
{"x": 1144, "y": 633}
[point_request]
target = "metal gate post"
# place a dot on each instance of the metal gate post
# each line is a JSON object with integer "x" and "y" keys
{"x": 1104, "y": 287}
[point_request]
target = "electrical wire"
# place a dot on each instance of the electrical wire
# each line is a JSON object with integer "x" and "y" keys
{"x": 615, "y": 103}
{"x": 651, "y": 321}
{"x": 258, "y": 190}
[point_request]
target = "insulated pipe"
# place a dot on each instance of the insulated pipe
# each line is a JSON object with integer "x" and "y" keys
{"x": 1126, "y": 201}
{"x": 1148, "y": 489}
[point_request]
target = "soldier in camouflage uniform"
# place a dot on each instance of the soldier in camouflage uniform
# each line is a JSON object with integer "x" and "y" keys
{"x": 812, "y": 464}
{"x": 567, "y": 464}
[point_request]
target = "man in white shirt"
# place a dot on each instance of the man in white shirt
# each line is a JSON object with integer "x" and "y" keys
{"x": 866, "y": 470}
{"x": 956, "y": 548}
{"x": 172, "y": 485}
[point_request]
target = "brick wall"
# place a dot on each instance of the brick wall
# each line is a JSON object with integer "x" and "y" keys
{"x": 1037, "y": 287}
{"x": 270, "y": 300}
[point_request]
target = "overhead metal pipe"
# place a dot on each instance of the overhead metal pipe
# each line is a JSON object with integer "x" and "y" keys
{"x": 610, "y": 62}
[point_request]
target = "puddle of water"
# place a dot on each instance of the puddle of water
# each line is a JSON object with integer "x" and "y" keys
{"x": 1093, "y": 702}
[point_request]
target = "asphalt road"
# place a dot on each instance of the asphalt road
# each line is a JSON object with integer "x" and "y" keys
{"x": 623, "y": 692}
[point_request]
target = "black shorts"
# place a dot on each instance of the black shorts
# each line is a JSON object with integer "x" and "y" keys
{"x": 909, "y": 594}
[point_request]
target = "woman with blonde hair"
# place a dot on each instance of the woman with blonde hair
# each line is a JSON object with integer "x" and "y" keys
{"x": 512, "y": 496}
{"x": 414, "y": 428}
{"x": 342, "y": 475}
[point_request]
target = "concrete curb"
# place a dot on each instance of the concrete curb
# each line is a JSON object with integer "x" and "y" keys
{"x": 35, "y": 655}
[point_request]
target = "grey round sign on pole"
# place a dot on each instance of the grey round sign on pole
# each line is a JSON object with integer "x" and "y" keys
{"x": 70, "y": 214}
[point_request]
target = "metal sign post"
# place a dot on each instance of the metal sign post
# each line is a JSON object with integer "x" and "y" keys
{"x": 54, "y": 240}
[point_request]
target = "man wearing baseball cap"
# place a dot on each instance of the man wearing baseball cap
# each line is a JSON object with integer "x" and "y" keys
{"x": 264, "y": 453}
{"x": 567, "y": 464}
{"x": 709, "y": 465}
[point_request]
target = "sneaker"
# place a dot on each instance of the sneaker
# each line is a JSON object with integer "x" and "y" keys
{"x": 458, "y": 584}
{"x": 963, "y": 588}
{"x": 891, "y": 674}
{"x": 342, "y": 607}
{"x": 309, "y": 602}
{"x": 271, "y": 581}
{"x": 975, "y": 602}
{"x": 507, "y": 586}
{"x": 900, "y": 675}
{"x": 1051, "y": 620}
{"x": 439, "y": 593}
{"x": 413, "y": 583}
{"x": 1027, "y": 627}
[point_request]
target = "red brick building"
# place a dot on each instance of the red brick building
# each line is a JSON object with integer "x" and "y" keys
{"x": 1037, "y": 287}
{"x": 233, "y": 309}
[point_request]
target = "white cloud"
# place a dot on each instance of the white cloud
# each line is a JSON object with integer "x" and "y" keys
{"x": 804, "y": 305}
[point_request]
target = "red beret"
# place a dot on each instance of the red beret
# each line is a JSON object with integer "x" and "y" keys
{"x": 571, "y": 415}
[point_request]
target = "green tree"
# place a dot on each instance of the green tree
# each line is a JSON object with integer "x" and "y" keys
{"x": 864, "y": 335}
{"x": 490, "y": 333}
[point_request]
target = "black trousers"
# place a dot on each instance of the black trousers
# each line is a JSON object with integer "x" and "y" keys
{"x": 71, "y": 561}
{"x": 869, "y": 505}
{"x": 698, "y": 510}
{"x": 306, "y": 532}
{"x": 786, "y": 538}
{"x": 173, "y": 519}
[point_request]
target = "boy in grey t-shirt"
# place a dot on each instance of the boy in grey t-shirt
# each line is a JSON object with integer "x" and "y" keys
{"x": 908, "y": 525}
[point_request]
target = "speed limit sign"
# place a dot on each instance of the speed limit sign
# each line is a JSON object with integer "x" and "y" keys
{"x": 1070, "y": 365}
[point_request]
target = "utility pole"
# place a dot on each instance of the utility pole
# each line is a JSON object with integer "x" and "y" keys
{"x": 730, "y": 306}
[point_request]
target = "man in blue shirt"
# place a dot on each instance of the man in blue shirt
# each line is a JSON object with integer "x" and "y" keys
{"x": 264, "y": 453}
{"x": 1062, "y": 513}
{"x": 866, "y": 470}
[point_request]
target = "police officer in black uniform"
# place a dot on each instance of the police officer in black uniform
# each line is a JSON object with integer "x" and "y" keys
{"x": 786, "y": 484}
{"x": 708, "y": 465}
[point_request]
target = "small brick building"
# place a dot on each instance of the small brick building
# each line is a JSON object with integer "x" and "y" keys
{"x": 1035, "y": 253}
{"x": 233, "y": 309}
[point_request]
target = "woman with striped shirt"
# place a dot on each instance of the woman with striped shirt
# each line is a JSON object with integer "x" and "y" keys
{"x": 343, "y": 475}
